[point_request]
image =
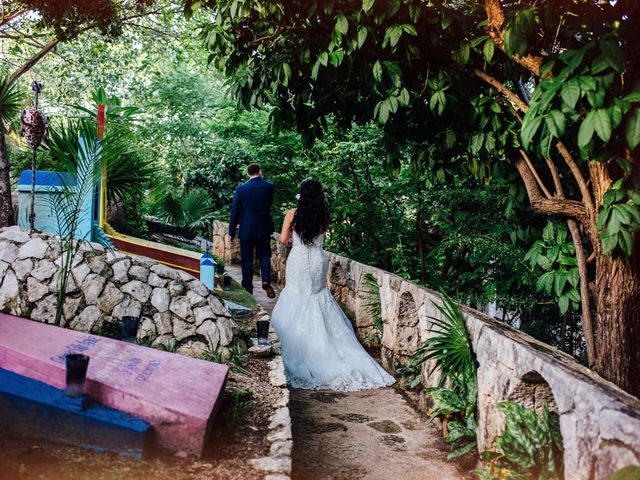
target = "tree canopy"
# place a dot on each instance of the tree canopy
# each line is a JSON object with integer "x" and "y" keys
{"x": 474, "y": 89}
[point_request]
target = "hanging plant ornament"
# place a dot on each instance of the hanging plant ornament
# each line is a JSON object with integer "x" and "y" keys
{"x": 34, "y": 127}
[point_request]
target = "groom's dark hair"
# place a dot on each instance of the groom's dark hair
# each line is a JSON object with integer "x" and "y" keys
{"x": 253, "y": 169}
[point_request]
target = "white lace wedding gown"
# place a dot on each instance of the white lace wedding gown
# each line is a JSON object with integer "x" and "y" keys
{"x": 319, "y": 347}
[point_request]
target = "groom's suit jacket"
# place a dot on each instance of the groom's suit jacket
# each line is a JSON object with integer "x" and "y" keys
{"x": 252, "y": 210}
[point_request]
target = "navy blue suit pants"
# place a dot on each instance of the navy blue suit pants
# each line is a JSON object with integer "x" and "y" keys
{"x": 262, "y": 249}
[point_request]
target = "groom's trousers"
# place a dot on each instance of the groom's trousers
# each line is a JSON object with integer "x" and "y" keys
{"x": 262, "y": 249}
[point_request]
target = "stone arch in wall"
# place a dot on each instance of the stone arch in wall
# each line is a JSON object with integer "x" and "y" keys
{"x": 533, "y": 391}
{"x": 408, "y": 332}
{"x": 368, "y": 314}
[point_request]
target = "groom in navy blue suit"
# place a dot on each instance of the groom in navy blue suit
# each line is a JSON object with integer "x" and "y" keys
{"x": 252, "y": 210}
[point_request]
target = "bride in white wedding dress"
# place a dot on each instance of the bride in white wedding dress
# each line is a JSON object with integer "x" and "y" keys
{"x": 319, "y": 346}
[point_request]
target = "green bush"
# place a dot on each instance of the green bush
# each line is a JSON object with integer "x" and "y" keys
{"x": 529, "y": 448}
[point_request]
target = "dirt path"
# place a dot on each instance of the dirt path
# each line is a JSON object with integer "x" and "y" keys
{"x": 370, "y": 435}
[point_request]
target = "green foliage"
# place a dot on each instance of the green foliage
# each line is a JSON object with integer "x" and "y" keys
{"x": 190, "y": 209}
{"x": 627, "y": 473}
{"x": 529, "y": 447}
{"x": 456, "y": 398}
{"x": 148, "y": 341}
{"x": 450, "y": 345}
{"x": 411, "y": 370}
{"x": 83, "y": 167}
{"x": 619, "y": 217}
{"x": 11, "y": 99}
{"x": 242, "y": 399}
{"x": 555, "y": 255}
{"x": 583, "y": 100}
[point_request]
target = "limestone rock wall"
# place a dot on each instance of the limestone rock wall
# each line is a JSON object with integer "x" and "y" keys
{"x": 600, "y": 423}
{"x": 177, "y": 310}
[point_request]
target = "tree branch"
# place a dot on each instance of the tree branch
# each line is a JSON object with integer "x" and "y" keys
{"x": 535, "y": 174}
{"x": 24, "y": 68}
{"x": 585, "y": 299}
{"x": 495, "y": 21}
{"x": 580, "y": 180}
{"x": 10, "y": 16}
{"x": 548, "y": 206}
{"x": 502, "y": 89}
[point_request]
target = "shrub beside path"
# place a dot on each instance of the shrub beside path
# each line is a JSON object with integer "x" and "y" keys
{"x": 372, "y": 435}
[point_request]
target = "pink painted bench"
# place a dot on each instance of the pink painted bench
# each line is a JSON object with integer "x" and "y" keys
{"x": 179, "y": 396}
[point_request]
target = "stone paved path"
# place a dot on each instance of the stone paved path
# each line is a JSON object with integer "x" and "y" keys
{"x": 370, "y": 435}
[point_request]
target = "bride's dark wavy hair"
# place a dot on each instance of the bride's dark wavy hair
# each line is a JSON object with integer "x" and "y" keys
{"x": 312, "y": 215}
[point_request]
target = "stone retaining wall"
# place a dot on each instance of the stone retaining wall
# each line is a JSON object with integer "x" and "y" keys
{"x": 600, "y": 423}
{"x": 178, "y": 311}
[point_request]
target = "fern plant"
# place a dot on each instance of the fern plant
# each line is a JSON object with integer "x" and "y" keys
{"x": 530, "y": 446}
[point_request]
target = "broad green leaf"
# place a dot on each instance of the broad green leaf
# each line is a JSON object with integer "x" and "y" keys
{"x": 608, "y": 242}
{"x": 573, "y": 293}
{"x": 563, "y": 304}
{"x": 476, "y": 143}
{"x": 323, "y": 58}
{"x": 625, "y": 240}
{"x": 464, "y": 52}
{"x": 367, "y": 5}
{"x": 570, "y": 93}
{"x": 587, "y": 83}
{"x": 602, "y": 124}
{"x": 633, "y": 96}
{"x": 633, "y": 129}
{"x": 410, "y": 29}
{"x": 286, "y": 68}
{"x": 559, "y": 281}
{"x": 530, "y": 126}
{"x": 585, "y": 133}
{"x": 342, "y": 24}
{"x": 377, "y": 71}
{"x": 488, "y": 50}
{"x": 392, "y": 36}
{"x": 403, "y": 97}
{"x": 384, "y": 111}
{"x": 596, "y": 98}
{"x": 573, "y": 277}
{"x": 362, "y": 35}
{"x": 622, "y": 215}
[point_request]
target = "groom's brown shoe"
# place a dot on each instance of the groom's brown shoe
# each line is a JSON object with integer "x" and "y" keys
{"x": 269, "y": 289}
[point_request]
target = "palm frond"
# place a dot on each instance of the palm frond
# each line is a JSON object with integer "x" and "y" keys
{"x": 11, "y": 99}
{"x": 192, "y": 209}
{"x": 450, "y": 345}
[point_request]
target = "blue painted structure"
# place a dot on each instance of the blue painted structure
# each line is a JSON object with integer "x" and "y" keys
{"x": 29, "y": 408}
{"x": 48, "y": 185}
{"x": 86, "y": 186}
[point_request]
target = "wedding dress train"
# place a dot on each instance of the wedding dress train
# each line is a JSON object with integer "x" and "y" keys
{"x": 319, "y": 346}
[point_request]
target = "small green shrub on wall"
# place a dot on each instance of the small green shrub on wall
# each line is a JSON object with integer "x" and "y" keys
{"x": 529, "y": 448}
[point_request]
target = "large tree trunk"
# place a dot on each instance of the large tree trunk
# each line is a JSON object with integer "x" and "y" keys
{"x": 617, "y": 292}
{"x": 6, "y": 207}
{"x": 617, "y": 336}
